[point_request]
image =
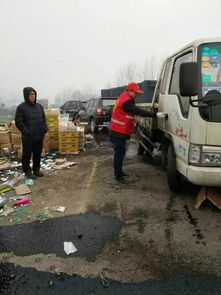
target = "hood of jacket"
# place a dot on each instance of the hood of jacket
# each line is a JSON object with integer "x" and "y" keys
{"x": 26, "y": 92}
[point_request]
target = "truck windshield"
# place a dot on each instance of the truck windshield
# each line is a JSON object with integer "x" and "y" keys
{"x": 210, "y": 59}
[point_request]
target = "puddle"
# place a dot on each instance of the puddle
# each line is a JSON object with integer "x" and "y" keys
{"x": 89, "y": 232}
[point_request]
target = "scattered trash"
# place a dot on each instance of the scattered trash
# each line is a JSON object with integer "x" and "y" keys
{"x": 65, "y": 165}
{"x": 16, "y": 220}
{"x": 60, "y": 160}
{"x": 7, "y": 210}
{"x": 22, "y": 189}
{"x": 60, "y": 209}
{"x": 20, "y": 211}
{"x": 5, "y": 190}
{"x": 89, "y": 136}
{"x": 51, "y": 283}
{"x": 4, "y": 179}
{"x": 69, "y": 248}
{"x": 24, "y": 201}
{"x": 4, "y": 165}
{"x": 2, "y": 201}
{"x": 41, "y": 215}
{"x": 104, "y": 281}
{"x": 29, "y": 181}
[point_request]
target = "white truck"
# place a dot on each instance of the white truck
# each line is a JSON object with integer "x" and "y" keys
{"x": 189, "y": 138}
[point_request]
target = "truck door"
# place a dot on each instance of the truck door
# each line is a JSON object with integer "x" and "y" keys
{"x": 177, "y": 108}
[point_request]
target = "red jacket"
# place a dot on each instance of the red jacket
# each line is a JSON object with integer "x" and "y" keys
{"x": 121, "y": 121}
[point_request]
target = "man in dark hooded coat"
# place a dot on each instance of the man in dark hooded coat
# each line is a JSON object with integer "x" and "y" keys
{"x": 30, "y": 120}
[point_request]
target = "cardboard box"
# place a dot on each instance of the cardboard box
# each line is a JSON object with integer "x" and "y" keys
{"x": 14, "y": 129}
{"x": 16, "y": 147}
{"x": 5, "y": 137}
{"x": 6, "y": 145}
{"x": 16, "y": 139}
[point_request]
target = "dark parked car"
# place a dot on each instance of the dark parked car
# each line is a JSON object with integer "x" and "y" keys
{"x": 71, "y": 107}
{"x": 97, "y": 112}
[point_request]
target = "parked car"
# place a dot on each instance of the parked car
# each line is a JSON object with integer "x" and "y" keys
{"x": 97, "y": 112}
{"x": 54, "y": 106}
{"x": 71, "y": 107}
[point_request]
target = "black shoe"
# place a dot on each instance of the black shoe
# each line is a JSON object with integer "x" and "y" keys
{"x": 121, "y": 180}
{"x": 125, "y": 174}
{"x": 38, "y": 173}
{"x": 30, "y": 175}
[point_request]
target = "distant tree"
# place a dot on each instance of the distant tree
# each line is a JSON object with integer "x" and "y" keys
{"x": 126, "y": 74}
{"x": 149, "y": 70}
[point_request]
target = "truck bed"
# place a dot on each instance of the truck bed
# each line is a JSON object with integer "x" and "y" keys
{"x": 146, "y": 122}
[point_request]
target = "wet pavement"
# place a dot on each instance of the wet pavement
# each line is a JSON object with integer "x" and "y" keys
{"x": 142, "y": 238}
{"x": 88, "y": 232}
{"x": 16, "y": 280}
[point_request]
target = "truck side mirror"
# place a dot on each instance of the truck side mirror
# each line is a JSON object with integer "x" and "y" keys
{"x": 212, "y": 98}
{"x": 189, "y": 79}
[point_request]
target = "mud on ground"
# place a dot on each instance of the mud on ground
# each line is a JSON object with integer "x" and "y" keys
{"x": 155, "y": 232}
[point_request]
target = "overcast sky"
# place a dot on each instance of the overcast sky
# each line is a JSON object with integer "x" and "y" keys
{"x": 54, "y": 44}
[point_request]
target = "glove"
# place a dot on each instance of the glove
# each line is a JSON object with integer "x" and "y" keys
{"x": 161, "y": 115}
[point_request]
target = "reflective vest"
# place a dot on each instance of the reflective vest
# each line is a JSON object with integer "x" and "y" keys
{"x": 121, "y": 121}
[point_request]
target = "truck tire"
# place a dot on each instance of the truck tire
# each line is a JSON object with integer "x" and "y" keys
{"x": 164, "y": 154}
{"x": 173, "y": 176}
{"x": 93, "y": 126}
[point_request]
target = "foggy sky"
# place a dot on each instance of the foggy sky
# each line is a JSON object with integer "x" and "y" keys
{"x": 53, "y": 44}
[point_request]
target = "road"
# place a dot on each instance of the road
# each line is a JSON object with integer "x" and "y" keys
{"x": 134, "y": 239}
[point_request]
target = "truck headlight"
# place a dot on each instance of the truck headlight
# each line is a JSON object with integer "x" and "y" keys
{"x": 194, "y": 154}
{"x": 211, "y": 156}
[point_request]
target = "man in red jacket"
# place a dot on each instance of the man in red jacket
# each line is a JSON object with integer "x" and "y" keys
{"x": 122, "y": 124}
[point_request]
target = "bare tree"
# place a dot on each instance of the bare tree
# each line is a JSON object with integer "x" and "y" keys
{"x": 150, "y": 68}
{"x": 126, "y": 74}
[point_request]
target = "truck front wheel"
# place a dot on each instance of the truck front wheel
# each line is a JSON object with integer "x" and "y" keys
{"x": 173, "y": 176}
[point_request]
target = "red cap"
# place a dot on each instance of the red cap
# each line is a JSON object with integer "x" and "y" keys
{"x": 134, "y": 87}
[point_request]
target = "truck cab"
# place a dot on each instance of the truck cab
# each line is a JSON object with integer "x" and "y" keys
{"x": 189, "y": 138}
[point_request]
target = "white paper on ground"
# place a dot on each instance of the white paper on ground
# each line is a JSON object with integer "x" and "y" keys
{"x": 69, "y": 248}
{"x": 60, "y": 209}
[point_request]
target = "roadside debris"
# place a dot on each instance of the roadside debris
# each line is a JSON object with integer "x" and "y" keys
{"x": 29, "y": 181}
{"x": 22, "y": 189}
{"x": 65, "y": 165}
{"x": 16, "y": 220}
{"x": 104, "y": 281}
{"x": 42, "y": 215}
{"x": 24, "y": 201}
{"x": 60, "y": 209}
{"x": 69, "y": 248}
{"x": 7, "y": 210}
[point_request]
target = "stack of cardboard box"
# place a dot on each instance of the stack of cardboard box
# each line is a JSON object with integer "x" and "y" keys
{"x": 68, "y": 142}
{"x": 15, "y": 137}
{"x": 52, "y": 118}
{"x": 5, "y": 139}
{"x": 81, "y": 137}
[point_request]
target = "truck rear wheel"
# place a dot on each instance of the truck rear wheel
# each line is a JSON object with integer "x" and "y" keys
{"x": 93, "y": 126}
{"x": 140, "y": 148}
{"x": 173, "y": 176}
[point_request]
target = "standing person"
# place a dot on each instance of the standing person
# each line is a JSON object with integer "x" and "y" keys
{"x": 30, "y": 120}
{"x": 122, "y": 124}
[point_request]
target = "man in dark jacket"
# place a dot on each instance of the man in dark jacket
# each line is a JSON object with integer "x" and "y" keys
{"x": 122, "y": 124}
{"x": 30, "y": 120}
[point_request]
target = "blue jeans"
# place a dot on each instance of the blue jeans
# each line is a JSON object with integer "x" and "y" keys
{"x": 119, "y": 145}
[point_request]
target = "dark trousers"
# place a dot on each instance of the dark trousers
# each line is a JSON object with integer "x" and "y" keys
{"x": 31, "y": 147}
{"x": 119, "y": 145}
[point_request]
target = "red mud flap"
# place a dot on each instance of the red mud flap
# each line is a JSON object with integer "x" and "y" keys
{"x": 210, "y": 193}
